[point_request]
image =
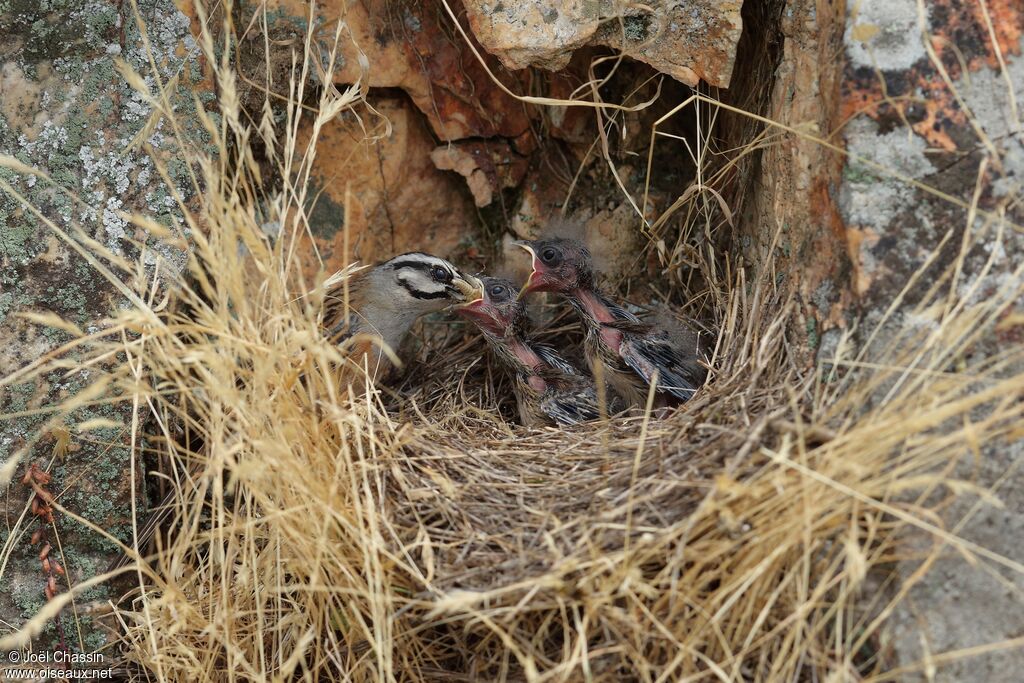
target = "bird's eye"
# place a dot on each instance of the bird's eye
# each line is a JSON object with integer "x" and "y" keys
{"x": 497, "y": 291}
{"x": 440, "y": 274}
{"x": 550, "y": 256}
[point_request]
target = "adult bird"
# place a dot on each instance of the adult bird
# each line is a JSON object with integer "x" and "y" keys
{"x": 369, "y": 311}
{"x": 547, "y": 387}
{"x": 631, "y": 353}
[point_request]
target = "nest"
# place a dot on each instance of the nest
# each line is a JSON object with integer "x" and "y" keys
{"x": 506, "y": 498}
{"x": 352, "y": 531}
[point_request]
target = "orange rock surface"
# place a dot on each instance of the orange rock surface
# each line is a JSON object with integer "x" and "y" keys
{"x": 398, "y": 200}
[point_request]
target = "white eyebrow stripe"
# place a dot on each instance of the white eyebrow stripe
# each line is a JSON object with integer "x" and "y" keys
{"x": 420, "y": 287}
{"x": 421, "y": 261}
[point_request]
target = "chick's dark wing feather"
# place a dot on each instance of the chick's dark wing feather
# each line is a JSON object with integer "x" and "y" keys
{"x": 551, "y": 357}
{"x": 679, "y": 373}
{"x": 620, "y": 313}
{"x": 571, "y": 406}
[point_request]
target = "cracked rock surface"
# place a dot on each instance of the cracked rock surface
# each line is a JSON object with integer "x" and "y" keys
{"x": 689, "y": 41}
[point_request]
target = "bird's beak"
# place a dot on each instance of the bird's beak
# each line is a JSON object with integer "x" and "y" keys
{"x": 472, "y": 306}
{"x": 480, "y": 313}
{"x": 533, "y": 274}
{"x": 470, "y": 288}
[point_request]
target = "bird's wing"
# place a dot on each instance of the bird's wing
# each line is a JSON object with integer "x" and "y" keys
{"x": 571, "y": 406}
{"x": 619, "y": 312}
{"x": 551, "y": 357}
{"x": 679, "y": 374}
{"x": 339, "y": 329}
{"x": 341, "y": 321}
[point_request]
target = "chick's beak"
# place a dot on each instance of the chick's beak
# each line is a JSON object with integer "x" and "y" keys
{"x": 469, "y": 288}
{"x": 525, "y": 244}
{"x": 527, "y": 287}
{"x": 480, "y": 312}
{"x": 471, "y": 306}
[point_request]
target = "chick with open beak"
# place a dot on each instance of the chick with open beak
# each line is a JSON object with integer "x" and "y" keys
{"x": 558, "y": 265}
{"x": 632, "y": 354}
{"x": 547, "y": 387}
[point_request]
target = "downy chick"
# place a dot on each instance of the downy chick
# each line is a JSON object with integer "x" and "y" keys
{"x": 630, "y": 351}
{"x": 547, "y": 387}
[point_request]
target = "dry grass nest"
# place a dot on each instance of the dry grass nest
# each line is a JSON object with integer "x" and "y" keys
{"x": 323, "y": 528}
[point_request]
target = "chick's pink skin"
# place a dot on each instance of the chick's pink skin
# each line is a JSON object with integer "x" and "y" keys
{"x": 600, "y": 312}
{"x": 542, "y": 280}
{"x": 485, "y": 315}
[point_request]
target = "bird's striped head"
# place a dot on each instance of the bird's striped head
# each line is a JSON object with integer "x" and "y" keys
{"x": 426, "y": 282}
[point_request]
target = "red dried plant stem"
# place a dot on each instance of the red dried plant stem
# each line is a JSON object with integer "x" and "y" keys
{"x": 42, "y": 507}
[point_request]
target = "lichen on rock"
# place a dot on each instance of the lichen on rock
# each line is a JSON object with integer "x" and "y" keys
{"x": 66, "y": 111}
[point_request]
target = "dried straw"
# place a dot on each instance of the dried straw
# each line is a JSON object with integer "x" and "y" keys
{"x": 323, "y": 528}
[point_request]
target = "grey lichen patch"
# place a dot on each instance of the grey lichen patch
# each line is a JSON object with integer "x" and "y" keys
{"x": 636, "y": 28}
{"x": 994, "y": 97}
{"x": 90, "y": 117}
{"x": 885, "y": 35}
{"x": 870, "y": 197}
{"x": 901, "y": 225}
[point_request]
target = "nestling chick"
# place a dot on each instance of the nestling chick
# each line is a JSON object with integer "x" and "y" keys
{"x": 547, "y": 387}
{"x": 630, "y": 351}
{"x": 384, "y": 301}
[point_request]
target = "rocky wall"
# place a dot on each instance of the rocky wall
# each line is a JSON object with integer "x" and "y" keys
{"x": 904, "y": 123}
{"x": 65, "y": 110}
{"x": 931, "y": 92}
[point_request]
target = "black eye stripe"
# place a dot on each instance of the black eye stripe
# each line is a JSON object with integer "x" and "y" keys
{"x": 418, "y": 294}
{"x": 435, "y": 271}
